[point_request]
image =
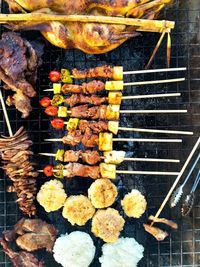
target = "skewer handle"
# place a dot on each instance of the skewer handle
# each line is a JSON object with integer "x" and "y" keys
{"x": 5, "y": 114}
{"x": 154, "y": 131}
{"x": 153, "y": 71}
{"x": 156, "y": 140}
{"x": 152, "y": 160}
{"x": 147, "y": 173}
{"x": 177, "y": 179}
{"x": 154, "y": 82}
{"x": 150, "y": 96}
{"x": 153, "y": 111}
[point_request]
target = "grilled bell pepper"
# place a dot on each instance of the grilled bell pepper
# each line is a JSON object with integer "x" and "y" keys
{"x": 59, "y": 171}
{"x": 65, "y": 76}
{"x": 60, "y": 154}
{"x": 57, "y": 100}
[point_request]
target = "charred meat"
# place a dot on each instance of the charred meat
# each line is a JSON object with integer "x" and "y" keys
{"x": 92, "y": 38}
{"x": 15, "y": 153}
{"x": 75, "y": 99}
{"x": 21, "y": 258}
{"x": 159, "y": 234}
{"x": 88, "y": 156}
{"x": 18, "y": 69}
{"x": 32, "y": 234}
{"x": 86, "y": 88}
{"x": 172, "y": 224}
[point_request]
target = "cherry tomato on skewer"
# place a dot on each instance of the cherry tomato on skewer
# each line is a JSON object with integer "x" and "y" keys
{"x": 57, "y": 123}
{"x": 54, "y": 76}
{"x": 48, "y": 170}
{"x": 45, "y": 101}
{"x": 51, "y": 111}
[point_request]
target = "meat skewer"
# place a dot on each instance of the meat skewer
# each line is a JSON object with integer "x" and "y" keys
{"x": 99, "y": 126}
{"x": 104, "y": 140}
{"x": 177, "y": 180}
{"x": 114, "y": 98}
{"x": 114, "y": 73}
{"x": 93, "y": 157}
{"x": 98, "y": 86}
{"x": 15, "y": 152}
{"x": 103, "y": 112}
{"x": 104, "y": 170}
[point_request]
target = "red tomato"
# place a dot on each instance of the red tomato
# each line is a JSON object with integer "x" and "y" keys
{"x": 54, "y": 76}
{"x": 48, "y": 170}
{"x": 57, "y": 123}
{"x": 51, "y": 111}
{"x": 45, "y": 102}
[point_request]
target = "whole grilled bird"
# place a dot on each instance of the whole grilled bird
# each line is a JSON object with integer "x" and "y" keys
{"x": 92, "y": 38}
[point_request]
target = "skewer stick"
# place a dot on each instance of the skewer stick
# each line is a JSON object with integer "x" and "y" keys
{"x": 158, "y": 140}
{"x": 153, "y": 71}
{"x": 148, "y": 96}
{"x": 142, "y": 24}
{"x": 155, "y": 49}
{"x": 177, "y": 180}
{"x": 139, "y": 172}
{"x": 147, "y": 173}
{"x": 154, "y": 131}
{"x": 155, "y": 82}
{"x": 153, "y": 111}
{"x": 127, "y": 159}
{"x": 5, "y": 114}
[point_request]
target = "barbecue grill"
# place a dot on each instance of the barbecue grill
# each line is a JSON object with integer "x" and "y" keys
{"x": 182, "y": 248}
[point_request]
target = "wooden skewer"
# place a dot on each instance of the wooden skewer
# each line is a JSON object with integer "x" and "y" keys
{"x": 142, "y": 24}
{"x": 177, "y": 180}
{"x": 153, "y": 111}
{"x": 158, "y": 140}
{"x": 138, "y": 172}
{"x": 153, "y": 71}
{"x": 154, "y": 82}
{"x": 150, "y": 96}
{"x": 154, "y": 131}
{"x": 5, "y": 114}
{"x": 127, "y": 159}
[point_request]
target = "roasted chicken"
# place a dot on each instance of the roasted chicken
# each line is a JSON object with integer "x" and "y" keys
{"x": 92, "y": 38}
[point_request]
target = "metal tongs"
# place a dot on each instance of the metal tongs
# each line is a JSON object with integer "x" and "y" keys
{"x": 188, "y": 202}
{"x": 179, "y": 191}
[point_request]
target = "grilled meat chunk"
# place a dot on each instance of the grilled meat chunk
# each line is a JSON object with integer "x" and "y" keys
{"x": 102, "y": 71}
{"x": 71, "y": 156}
{"x": 77, "y": 169}
{"x": 95, "y": 126}
{"x": 32, "y": 234}
{"x": 88, "y": 156}
{"x": 21, "y": 258}
{"x": 18, "y": 69}
{"x": 159, "y": 234}
{"x": 84, "y": 111}
{"x": 86, "y": 88}
{"x": 172, "y": 224}
{"x": 75, "y": 99}
{"x": 73, "y": 138}
{"x": 92, "y": 38}
{"x": 15, "y": 153}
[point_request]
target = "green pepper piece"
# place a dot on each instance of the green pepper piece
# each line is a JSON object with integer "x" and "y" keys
{"x": 59, "y": 154}
{"x": 57, "y": 100}
{"x": 59, "y": 168}
{"x": 66, "y": 76}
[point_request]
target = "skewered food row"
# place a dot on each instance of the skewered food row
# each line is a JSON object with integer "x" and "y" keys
{"x": 15, "y": 153}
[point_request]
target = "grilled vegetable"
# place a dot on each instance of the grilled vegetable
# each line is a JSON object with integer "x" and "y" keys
{"x": 65, "y": 76}
{"x": 58, "y": 171}
{"x": 60, "y": 154}
{"x": 72, "y": 124}
{"x": 108, "y": 170}
{"x": 114, "y": 157}
{"x": 57, "y": 100}
{"x": 51, "y": 111}
{"x": 57, "y": 88}
{"x": 112, "y": 112}
{"x": 45, "y": 102}
{"x": 54, "y": 76}
{"x": 114, "y": 98}
{"x": 48, "y": 170}
{"x": 113, "y": 126}
{"x": 105, "y": 141}
{"x": 62, "y": 112}
{"x": 114, "y": 85}
{"x": 57, "y": 123}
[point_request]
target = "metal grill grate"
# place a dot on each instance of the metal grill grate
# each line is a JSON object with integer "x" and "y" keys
{"x": 182, "y": 248}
